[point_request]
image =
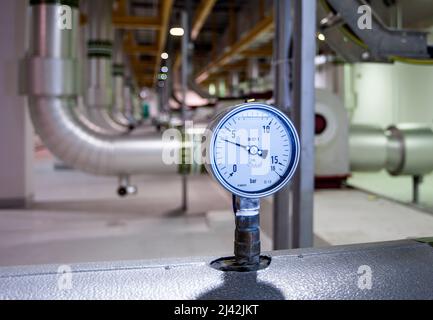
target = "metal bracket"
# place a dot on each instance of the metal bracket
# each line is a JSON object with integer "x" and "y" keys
{"x": 381, "y": 40}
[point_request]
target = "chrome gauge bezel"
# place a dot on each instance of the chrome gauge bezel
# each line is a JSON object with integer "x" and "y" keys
{"x": 218, "y": 124}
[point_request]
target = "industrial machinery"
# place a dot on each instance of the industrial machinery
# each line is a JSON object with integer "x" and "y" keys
{"x": 331, "y": 132}
{"x": 253, "y": 152}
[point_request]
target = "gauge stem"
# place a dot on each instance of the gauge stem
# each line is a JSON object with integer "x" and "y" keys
{"x": 247, "y": 233}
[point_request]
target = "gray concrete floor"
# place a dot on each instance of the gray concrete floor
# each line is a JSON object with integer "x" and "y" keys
{"x": 78, "y": 218}
{"x": 396, "y": 188}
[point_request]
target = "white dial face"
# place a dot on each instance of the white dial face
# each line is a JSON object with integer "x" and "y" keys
{"x": 255, "y": 150}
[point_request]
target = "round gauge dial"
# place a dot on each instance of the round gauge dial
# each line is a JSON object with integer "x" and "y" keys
{"x": 254, "y": 150}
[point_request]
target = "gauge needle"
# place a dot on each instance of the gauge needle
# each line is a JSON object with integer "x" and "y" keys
{"x": 278, "y": 174}
{"x": 237, "y": 144}
{"x": 261, "y": 153}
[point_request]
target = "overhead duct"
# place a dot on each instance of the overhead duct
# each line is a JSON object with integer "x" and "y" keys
{"x": 52, "y": 87}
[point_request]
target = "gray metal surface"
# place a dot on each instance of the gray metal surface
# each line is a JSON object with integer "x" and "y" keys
{"x": 400, "y": 270}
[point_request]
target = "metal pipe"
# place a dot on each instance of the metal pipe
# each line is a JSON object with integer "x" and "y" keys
{"x": 304, "y": 47}
{"x": 53, "y": 90}
{"x": 367, "y": 148}
{"x": 118, "y": 105}
{"x": 117, "y": 112}
{"x": 81, "y": 114}
{"x": 416, "y": 182}
{"x": 253, "y": 73}
{"x": 99, "y": 70}
{"x": 234, "y": 84}
{"x": 247, "y": 233}
{"x": 184, "y": 82}
{"x": 283, "y": 33}
{"x": 93, "y": 153}
{"x": 403, "y": 149}
{"x": 415, "y": 149}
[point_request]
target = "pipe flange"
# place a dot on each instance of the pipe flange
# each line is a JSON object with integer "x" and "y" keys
{"x": 395, "y": 151}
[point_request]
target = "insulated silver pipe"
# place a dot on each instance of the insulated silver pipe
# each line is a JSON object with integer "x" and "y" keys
{"x": 118, "y": 79}
{"x": 49, "y": 57}
{"x": 127, "y": 95}
{"x": 100, "y": 26}
{"x": 119, "y": 102}
{"x": 405, "y": 149}
{"x": 234, "y": 83}
{"x": 84, "y": 150}
{"x": 81, "y": 114}
{"x": 100, "y": 78}
{"x": 53, "y": 89}
{"x": 367, "y": 148}
{"x": 410, "y": 149}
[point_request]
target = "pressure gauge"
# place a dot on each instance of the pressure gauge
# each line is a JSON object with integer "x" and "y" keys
{"x": 253, "y": 150}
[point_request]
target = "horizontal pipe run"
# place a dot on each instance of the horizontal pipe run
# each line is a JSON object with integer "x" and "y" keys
{"x": 405, "y": 149}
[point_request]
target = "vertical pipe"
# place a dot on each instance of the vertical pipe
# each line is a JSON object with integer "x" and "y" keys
{"x": 283, "y": 30}
{"x": 234, "y": 84}
{"x": 118, "y": 112}
{"x": 247, "y": 233}
{"x": 99, "y": 65}
{"x": 303, "y": 111}
{"x": 399, "y": 15}
{"x": 253, "y": 73}
{"x": 416, "y": 182}
{"x": 184, "y": 80}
